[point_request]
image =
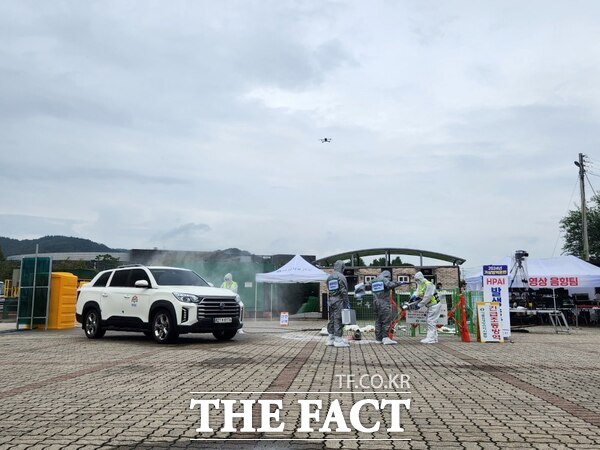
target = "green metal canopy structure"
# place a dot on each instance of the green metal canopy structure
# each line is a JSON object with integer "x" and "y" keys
{"x": 354, "y": 256}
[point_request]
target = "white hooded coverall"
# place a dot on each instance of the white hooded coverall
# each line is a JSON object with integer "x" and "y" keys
{"x": 426, "y": 290}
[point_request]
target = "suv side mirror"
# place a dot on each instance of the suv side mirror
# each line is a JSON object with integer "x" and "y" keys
{"x": 210, "y": 284}
{"x": 142, "y": 284}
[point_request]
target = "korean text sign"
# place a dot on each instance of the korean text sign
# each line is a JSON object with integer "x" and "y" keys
{"x": 489, "y": 322}
{"x": 495, "y": 289}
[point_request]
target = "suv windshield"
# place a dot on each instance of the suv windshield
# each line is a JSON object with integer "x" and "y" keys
{"x": 174, "y": 277}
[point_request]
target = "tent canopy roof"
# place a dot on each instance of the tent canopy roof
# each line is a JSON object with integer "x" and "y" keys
{"x": 587, "y": 274}
{"x": 297, "y": 270}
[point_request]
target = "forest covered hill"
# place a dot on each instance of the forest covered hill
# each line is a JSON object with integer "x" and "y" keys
{"x": 51, "y": 244}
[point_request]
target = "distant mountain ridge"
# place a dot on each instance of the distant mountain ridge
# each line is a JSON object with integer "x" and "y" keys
{"x": 52, "y": 244}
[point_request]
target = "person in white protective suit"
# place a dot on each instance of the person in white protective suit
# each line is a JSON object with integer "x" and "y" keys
{"x": 427, "y": 296}
{"x": 228, "y": 283}
{"x": 337, "y": 287}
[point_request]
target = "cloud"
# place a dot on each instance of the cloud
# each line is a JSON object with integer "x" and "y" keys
{"x": 184, "y": 236}
{"x": 21, "y": 226}
{"x": 197, "y": 125}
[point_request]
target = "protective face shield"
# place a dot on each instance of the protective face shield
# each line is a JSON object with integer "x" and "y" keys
{"x": 228, "y": 277}
{"x": 419, "y": 278}
{"x": 386, "y": 274}
{"x": 338, "y": 266}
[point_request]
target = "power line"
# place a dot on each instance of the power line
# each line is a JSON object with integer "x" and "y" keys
{"x": 568, "y": 209}
{"x": 590, "y": 183}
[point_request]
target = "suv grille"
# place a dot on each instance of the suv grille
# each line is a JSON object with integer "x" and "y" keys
{"x": 218, "y": 307}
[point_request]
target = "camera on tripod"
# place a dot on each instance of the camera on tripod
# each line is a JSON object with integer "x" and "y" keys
{"x": 519, "y": 269}
{"x": 520, "y": 255}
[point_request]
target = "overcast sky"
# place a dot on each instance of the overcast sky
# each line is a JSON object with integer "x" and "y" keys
{"x": 195, "y": 125}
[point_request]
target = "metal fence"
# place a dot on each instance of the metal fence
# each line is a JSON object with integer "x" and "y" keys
{"x": 365, "y": 315}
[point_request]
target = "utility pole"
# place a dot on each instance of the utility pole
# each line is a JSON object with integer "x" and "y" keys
{"x": 584, "y": 230}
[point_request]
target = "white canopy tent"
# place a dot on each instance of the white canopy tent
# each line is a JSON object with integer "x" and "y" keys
{"x": 297, "y": 270}
{"x": 567, "y": 272}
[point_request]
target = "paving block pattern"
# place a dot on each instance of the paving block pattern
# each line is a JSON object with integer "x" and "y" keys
{"x": 61, "y": 390}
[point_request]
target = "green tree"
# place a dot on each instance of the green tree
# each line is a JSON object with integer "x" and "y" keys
{"x": 6, "y": 267}
{"x": 105, "y": 262}
{"x": 382, "y": 262}
{"x": 68, "y": 265}
{"x": 571, "y": 227}
{"x": 397, "y": 261}
{"x": 379, "y": 262}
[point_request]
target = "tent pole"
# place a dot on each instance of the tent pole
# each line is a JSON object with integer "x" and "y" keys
{"x": 555, "y": 315}
{"x": 271, "y": 301}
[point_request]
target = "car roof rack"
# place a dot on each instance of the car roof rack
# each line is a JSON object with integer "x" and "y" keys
{"x": 130, "y": 265}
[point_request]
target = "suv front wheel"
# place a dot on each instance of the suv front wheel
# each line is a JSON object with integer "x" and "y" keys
{"x": 163, "y": 327}
{"x": 91, "y": 324}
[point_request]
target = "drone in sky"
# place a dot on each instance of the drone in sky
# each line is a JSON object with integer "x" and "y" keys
{"x": 325, "y": 140}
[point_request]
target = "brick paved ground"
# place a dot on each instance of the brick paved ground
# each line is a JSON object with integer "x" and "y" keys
{"x": 61, "y": 390}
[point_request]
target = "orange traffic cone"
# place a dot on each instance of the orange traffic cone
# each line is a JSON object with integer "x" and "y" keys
{"x": 464, "y": 329}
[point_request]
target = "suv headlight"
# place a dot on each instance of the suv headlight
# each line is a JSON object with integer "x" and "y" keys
{"x": 239, "y": 300}
{"x": 186, "y": 298}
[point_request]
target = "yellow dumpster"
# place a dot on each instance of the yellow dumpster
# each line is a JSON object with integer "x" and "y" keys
{"x": 63, "y": 296}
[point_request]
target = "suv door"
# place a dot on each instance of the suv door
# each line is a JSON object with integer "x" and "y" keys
{"x": 100, "y": 293}
{"x": 119, "y": 286}
{"x": 136, "y": 301}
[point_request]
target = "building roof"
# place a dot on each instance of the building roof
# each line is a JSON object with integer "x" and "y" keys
{"x": 355, "y": 254}
{"x": 73, "y": 256}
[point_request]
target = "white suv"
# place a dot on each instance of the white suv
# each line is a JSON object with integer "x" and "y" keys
{"x": 163, "y": 302}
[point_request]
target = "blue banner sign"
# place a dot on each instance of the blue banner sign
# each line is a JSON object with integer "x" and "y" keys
{"x": 495, "y": 270}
